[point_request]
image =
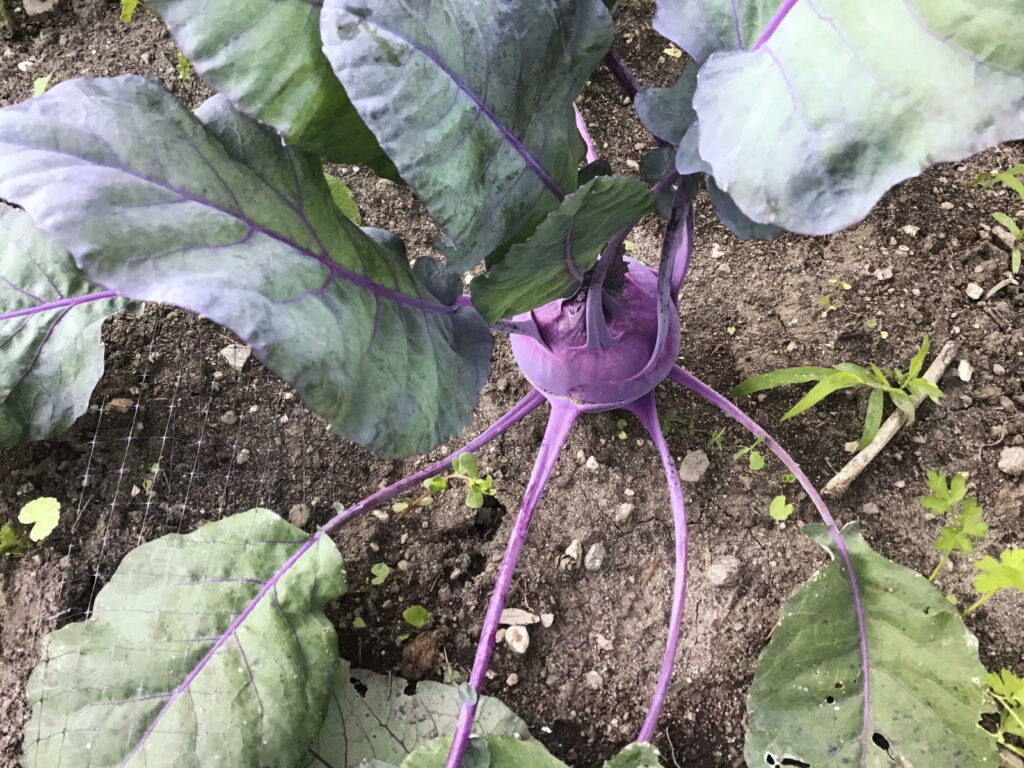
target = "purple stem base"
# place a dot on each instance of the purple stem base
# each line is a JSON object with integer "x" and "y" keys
{"x": 563, "y": 414}
{"x": 698, "y": 387}
{"x": 646, "y": 411}
{"x": 581, "y": 126}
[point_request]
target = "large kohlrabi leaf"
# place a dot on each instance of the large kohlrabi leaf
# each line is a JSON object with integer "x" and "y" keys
{"x": 927, "y": 684}
{"x": 370, "y": 717}
{"x": 51, "y": 355}
{"x": 635, "y": 756}
{"x": 550, "y": 264}
{"x": 473, "y": 102}
{"x": 810, "y": 111}
{"x": 265, "y": 55}
{"x": 201, "y": 651}
{"x": 212, "y": 213}
{"x": 487, "y": 752}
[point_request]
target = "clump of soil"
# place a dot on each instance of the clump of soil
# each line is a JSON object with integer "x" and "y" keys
{"x": 226, "y": 440}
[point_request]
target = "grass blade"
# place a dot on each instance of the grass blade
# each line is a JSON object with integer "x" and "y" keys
{"x": 821, "y": 390}
{"x": 780, "y": 378}
{"x": 873, "y": 418}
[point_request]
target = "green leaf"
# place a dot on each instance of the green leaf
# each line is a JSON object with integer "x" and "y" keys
{"x": 265, "y": 55}
{"x": 342, "y": 197}
{"x": 779, "y": 509}
{"x": 902, "y": 401}
{"x": 473, "y": 103}
{"x": 641, "y": 755}
{"x": 503, "y": 752}
{"x": 128, "y": 10}
{"x": 380, "y": 572}
{"x": 958, "y": 487}
{"x": 184, "y": 67}
{"x": 668, "y": 112}
{"x": 971, "y": 521}
{"x": 997, "y": 575}
{"x": 952, "y": 539}
{"x": 183, "y": 663}
{"x": 416, "y": 616}
{"x": 807, "y": 699}
{"x": 924, "y": 388}
{"x": 1015, "y": 261}
{"x": 11, "y": 543}
{"x": 917, "y": 364}
{"x": 42, "y": 514}
{"x": 358, "y": 623}
{"x": 474, "y": 499}
{"x": 1009, "y": 223}
{"x": 465, "y": 464}
{"x": 872, "y": 419}
{"x": 937, "y": 483}
{"x": 821, "y": 390}
{"x": 243, "y": 230}
{"x": 866, "y": 377}
{"x": 362, "y": 700}
{"x": 780, "y": 378}
{"x": 755, "y": 461}
{"x": 836, "y": 146}
{"x": 40, "y": 84}
{"x": 50, "y": 361}
{"x": 1007, "y": 685}
{"x": 436, "y": 484}
{"x": 550, "y": 263}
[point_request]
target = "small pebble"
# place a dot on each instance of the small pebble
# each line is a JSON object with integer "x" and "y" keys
{"x": 911, "y": 230}
{"x": 237, "y": 355}
{"x": 229, "y": 417}
{"x": 512, "y": 680}
{"x": 1011, "y": 461}
{"x": 604, "y": 643}
{"x": 946, "y": 206}
{"x": 998, "y": 370}
{"x": 120, "y": 404}
{"x": 883, "y": 274}
{"x": 974, "y": 291}
{"x": 965, "y": 370}
{"x": 404, "y": 565}
{"x": 693, "y": 466}
{"x": 242, "y": 457}
{"x": 593, "y": 679}
{"x": 517, "y": 617}
{"x": 381, "y": 515}
{"x": 592, "y": 463}
{"x": 547, "y": 619}
{"x": 571, "y": 558}
{"x": 595, "y": 557}
{"x": 725, "y": 571}
{"x": 300, "y": 514}
{"x": 517, "y": 638}
{"x": 624, "y": 514}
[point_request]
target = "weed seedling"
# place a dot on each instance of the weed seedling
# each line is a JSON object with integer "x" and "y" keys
{"x": 716, "y": 440}
{"x": 898, "y": 386}
{"x": 779, "y": 509}
{"x": 465, "y": 469}
{"x": 416, "y": 616}
{"x": 1008, "y": 179}
{"x": 996, "y": 575}
{"x": 1007, "y": 691}
{"x": 380, "y": 572}
{"x": 184, "y": 68}
{"x": 963, "y": 516}
{"x": 755, "y": 459}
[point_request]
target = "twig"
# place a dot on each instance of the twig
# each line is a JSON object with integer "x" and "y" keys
{"x": 838, "y": 484}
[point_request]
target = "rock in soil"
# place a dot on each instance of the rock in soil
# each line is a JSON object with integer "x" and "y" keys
{"x": 300, "y": 514}
{"x": 595, "y": 557}
{"x": 693, "y": 467}
{"x": 1011, "y": 461}
{"x": 725, "y": 571}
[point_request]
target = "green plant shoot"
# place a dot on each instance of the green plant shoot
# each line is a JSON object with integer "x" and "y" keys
{"x": 996, "y": 575}
{"x": 380, "y": 572}
{"x": 963, "y": 515}
{"x": 42, "y": 514}
{"x": 779, "y": 509}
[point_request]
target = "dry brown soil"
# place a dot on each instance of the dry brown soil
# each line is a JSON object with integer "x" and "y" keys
{"x": 168, "y": 363}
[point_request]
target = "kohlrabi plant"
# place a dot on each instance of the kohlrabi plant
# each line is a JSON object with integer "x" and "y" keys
{"x": 212, "y": 649}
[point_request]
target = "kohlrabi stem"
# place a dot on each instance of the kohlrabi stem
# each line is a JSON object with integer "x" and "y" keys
{"x": 585, "y": 135}
{"x": 59, "y": 304}
{"x": 697, "y": 386}
{"x": 618, "y": 67}
{"x": 597, "y": 327}
{"x": 646, "y": 411}
{"x": 514, "y": 415}
{"x": 523, "y": 326}
{"x": 563, "y": 414}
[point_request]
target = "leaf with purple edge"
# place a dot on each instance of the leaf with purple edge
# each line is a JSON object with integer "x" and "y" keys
{"x": 807, "y": 699}
{"x": 200, "y": 650}
{"x": 473, "y": 102}
{"x": 210, "y": 212}
{"x": 51, "y": 355}
{"x": 849, "y": 102}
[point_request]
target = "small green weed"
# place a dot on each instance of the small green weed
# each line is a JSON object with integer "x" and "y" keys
{"x": 1007, "y": 179}
{"x": 43, "y": 514}
{"x": 898, "y": 386}
{"x": 1007, "y": 691}
{"x": 184, "y": 68}
{"x": 963, "y": 515}
{"x": 996, "y": 575}
{"x": 464, "y": 468}
{"x": 779, "y": 509}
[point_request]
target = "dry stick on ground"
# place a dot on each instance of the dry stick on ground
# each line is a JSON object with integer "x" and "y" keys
{"x": 838, "y": 484}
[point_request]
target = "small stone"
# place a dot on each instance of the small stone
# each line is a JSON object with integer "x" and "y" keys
{"x": 571, "y": 558}
{"x": 911, "y": 230}
{"x": 35, "y": 7}
{"x": 693, "y": 466}
{"x": 517, "y": 638}
{"x": 237, "y": 355}
{"x": 725, "y": 571}
{"x": 25, "y": 66}
{"x": 629, "y": 493}
{"x": 146, "y": 58}
{"x": 870, "y": 509}
{"x": 604, "y": 643}
{"x": 120, "y": 404}
{"x": 883, "y": 274}
{"x": 592, "y": 463}
{"x": 1011, "y": 461}
{"x": 965, "y": 370}
{"x": 242, "y": 457}
{"x": 624, "y": 513}
{"x": 974, "y": 291}
{"x": 381, "y": 515}
{"x": 593, "y": 680}
{"x": 512, "y": 680}
{"x": 404, "y": 565}
{"x": 547, "y": 619}
{"x": 595, "y": 557}
{"x": 300, "y": 514}
{"x": 998, "y": 370}
{"x": 229, "y": 417}
{"x": 499, "y": 635}
{"x": 946, "y": 206}
{"x": 517, "y": 617}
{"x": 1007, "y": 404}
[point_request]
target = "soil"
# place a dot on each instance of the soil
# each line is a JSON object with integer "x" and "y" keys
{"x": 748, "y": 307}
